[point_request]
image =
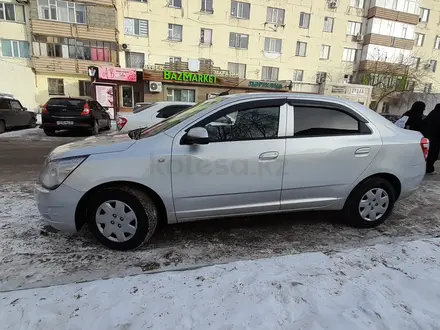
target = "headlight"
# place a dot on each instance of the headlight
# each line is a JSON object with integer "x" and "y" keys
{"x": 56, "y": 171}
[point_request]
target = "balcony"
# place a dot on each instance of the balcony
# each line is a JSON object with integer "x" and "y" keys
{"x": 63, "y": 65}
{"x": 393, "y": 15}
{"x": 389, "y": 41}
{"x": 382, "y": 67}
{"x": 45, "y": 27}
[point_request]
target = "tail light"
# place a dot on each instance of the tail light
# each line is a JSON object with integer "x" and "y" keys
{"x": 121, "y": 123}
{"x": 44, "y": 109}
{"x": 424, "y": 144}
{"x": 86, "y": 110}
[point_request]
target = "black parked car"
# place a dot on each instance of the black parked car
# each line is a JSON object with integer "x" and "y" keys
{"x": 74, "y": 113}
{"x": 13, "y": 114}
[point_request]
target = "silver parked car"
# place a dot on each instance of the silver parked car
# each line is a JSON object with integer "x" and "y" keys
{"x": 230, "y": 156}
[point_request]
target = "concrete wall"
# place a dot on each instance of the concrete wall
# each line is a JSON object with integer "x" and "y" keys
{"x": 71, "y": 85}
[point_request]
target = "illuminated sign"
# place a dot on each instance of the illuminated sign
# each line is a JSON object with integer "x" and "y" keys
{"x": 263, "y": 84}
{"x": 189, "y": 77}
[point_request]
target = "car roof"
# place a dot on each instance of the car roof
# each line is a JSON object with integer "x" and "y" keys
{"x": 83, "y": 98}
{"x": 174, "y": 103}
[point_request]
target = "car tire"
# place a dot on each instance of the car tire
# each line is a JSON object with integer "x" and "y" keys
{"x": 32, "y": 122}
{"x": 49, "y": 132}
{"x": 125, "y": 202}
{"x": 95, "y": 129}
{"x": 374, "y": 194}
{"x": 2, "y": 126}
{"x": 109, "y": 126}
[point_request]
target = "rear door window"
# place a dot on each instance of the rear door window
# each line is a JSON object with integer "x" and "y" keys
{"x": 66, "y": 103}
{"x": 15, "y": 105}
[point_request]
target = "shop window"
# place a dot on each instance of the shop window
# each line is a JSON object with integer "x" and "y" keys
{"x": 185, "y": 95}
{"x": 85, "y": 88}
{"x": 127, "y": 96}
{"x": 134, "y": 60}
{"x": 55, "y": 86}
{"x": 11, "y": 12}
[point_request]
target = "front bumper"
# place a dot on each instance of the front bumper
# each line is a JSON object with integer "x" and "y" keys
{"x": 58, "y": 206}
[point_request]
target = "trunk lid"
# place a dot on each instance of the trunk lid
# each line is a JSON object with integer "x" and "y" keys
{"x": 60, "y": 107}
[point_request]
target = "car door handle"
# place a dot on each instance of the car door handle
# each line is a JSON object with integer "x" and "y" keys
{"x": 362, "y": 152}
{"x": 270, "y": 155}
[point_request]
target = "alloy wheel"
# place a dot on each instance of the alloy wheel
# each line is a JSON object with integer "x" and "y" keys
{"x": 374, "y": 204}
{"x": 116, "y": 221}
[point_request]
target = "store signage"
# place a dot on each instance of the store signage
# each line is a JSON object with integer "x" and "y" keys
{"x": 263, "y": 84}
{"x": 189, "y": 77}
{"x": 357, "y": 91}
{"x": 119, "y": 74}
{"x": 338, "y": 90}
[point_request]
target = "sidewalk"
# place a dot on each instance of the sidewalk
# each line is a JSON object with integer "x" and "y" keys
{"x": 381, "y": 287}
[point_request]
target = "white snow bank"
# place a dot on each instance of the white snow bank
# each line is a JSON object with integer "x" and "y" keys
{"x": 381, "y": 287}
{"x": 27, "y": 132}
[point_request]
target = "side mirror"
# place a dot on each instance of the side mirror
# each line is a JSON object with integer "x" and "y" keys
{"x": 197, "y": 135}
{"x": 24, "y": 109}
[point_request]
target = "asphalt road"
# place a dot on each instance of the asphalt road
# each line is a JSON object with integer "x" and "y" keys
{"x": 31, "y": 254}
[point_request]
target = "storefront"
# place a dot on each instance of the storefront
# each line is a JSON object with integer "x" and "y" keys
{"x": 170, "y": 82}
{"x": 116, "y": 89}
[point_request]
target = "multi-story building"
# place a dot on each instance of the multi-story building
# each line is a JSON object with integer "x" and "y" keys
{"x": 16, "y": 75}
{"x": 67, "y": 38}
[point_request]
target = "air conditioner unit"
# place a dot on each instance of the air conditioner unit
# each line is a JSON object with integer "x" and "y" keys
{"x": 124, "y": 47}
{"x": 333, "y": 4}
{"x": 155, "y": 87}
{"x": 359, "y": 37}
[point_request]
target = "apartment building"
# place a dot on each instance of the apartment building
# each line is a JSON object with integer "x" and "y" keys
{"x": 16, "y": 75}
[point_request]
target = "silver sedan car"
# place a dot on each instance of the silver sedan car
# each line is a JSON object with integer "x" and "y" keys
{"x": 230, "y": 156}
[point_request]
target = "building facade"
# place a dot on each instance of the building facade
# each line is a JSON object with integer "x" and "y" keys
{"x": 301, "y": 44}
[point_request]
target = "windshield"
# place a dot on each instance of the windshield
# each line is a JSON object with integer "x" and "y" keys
{"x": 178, "y": 118}
{"x": 142, "y": 107}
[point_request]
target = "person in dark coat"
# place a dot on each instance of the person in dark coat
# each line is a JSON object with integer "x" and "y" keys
{"x": 431, "y": 130}
{"x": 415, "y": 116}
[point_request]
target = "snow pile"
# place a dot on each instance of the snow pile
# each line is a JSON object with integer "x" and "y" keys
{"x": 382, "y": 287}
{"x": 28, "y": 133}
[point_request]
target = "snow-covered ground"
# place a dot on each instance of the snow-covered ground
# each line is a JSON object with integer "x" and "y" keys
{"x": 392, "y": 286}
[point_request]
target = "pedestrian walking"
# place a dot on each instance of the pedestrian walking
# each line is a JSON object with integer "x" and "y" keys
{"x": 431, "y": 130}
{"x": 412, "y": 119}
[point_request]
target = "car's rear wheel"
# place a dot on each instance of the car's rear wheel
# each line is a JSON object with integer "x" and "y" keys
{"x": 49, "y": 132}
{"x": 95, "y": 128}
{"x": 2, "y": 126}
{"x": 122, "y": 218}
{"x": 370, "y": 203}
{"x": 32, "y": 123}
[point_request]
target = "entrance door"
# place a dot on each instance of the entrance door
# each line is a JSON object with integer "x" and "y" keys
{"x": 240, "y": 170}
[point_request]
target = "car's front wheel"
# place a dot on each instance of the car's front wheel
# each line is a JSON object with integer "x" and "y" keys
{"x": 370, "y": 203}
{"x": 122, "y": 218}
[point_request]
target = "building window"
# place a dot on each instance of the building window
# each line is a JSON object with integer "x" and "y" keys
{"x": 432, "y": 65}
{"x": 415, "y": 62}
{"x": 354, "y": 28}
{"x": 11, "y": 12}
{"x": 62, "y": 11}
{"x": 304, "y": 20}
{"x": 427, "y": 88}
{"x": 420, "y": 39}
{"x": 348, "y": 78}
{"x": 357, "y": 3}
{"x": 206, "y": 37}
{"x": 238, "y": 69}
{"x": 298, "y": 75}
{"x": 301, "y": 48}
{"x": 185, "y": 95}
{"x": 144, "y": 1}
{"x": 136, "y": 27}
{"x": 175, "y": 3}
{"x": 15, "y": 48}
{"x": 275, "y": 16}
{"x": 424, "y": 15}
{"x": 206, "y": 63}
{"x": 174, "y": 59}
{"x": 328, "y": 24}
{"x": 272, "y": 45}
{"x": 81, "y": 49}
{"x": 55, "y": 86}
{"x": 321, "y": 77}
{"x": 175, "y": 32}
{"x": 238, "y": 40}
{"x": 134, "y": 60}
{"x": 269, "y": 73}
{"x": 127, "y": 96}
{"x": 207, "y": 6}
{"x": 349, "y": 55}
{"x": 437, "y": 42}
{"x": 240, "y": 9}
{"x": 85, "y": 88}
{"x": 325, "y": 52}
